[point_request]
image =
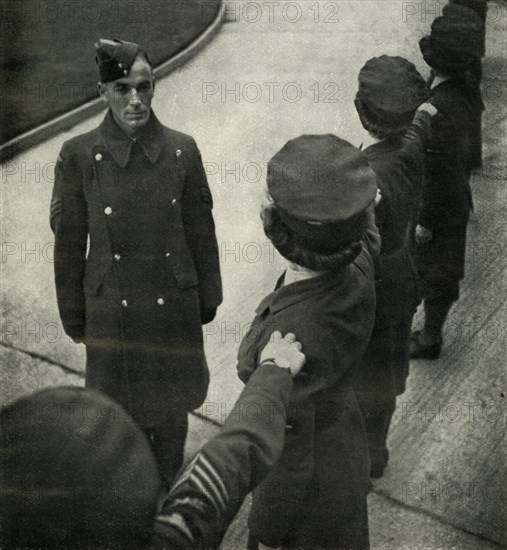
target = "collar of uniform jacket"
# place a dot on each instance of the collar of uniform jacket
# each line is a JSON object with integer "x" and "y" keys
{"x": 463, "y": 85}
{"x": 381, "y": 148}
{"x": 299, "y": 291}
{"x": 119, "y": 144}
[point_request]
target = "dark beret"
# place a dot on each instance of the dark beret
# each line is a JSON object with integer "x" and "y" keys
{"x": 74, "y": 462}
{"x": 454, "y": 43}
{"x": 391, "y": 89}
{"x": 114, "y": 58}
{"x": 479, "y": 6}
{"x": 320, "y": 184}
{"x": 461, "y": 12}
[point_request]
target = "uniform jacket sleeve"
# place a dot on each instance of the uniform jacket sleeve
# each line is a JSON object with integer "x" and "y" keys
{"x": 439, "y": 160}
{"x": 371, "y": 237}
{"x": 197, "y": 204}
{"x": 68, "y": 220}
{"x": 400, "y": 179}
{"x": 206, "y": 496}
{"x": 442, "y": 172}
{"x": 418, "y": 132}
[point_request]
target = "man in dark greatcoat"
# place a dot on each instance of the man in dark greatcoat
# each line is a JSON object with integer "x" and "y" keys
{"x": 137, "y": 190}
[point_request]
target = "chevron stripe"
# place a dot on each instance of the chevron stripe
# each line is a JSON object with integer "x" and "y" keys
{"x": 206, "y": 482}
{"x": 216, "y": 476}
{"x": 185, "y": 475}
{"x": 193, "y": 477}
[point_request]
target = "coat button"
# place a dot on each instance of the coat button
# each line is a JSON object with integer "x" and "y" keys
{"x": 98, "y": 156}
{"x": 117, "y": 257}
{"x": 108, "y": 210}
{"x": 160, "y": 301}
{"x": 124, "y": 303}
{"x": 178, "y": 152}
{"x": 167, "y": 254}
{"x": 174, "y": 201}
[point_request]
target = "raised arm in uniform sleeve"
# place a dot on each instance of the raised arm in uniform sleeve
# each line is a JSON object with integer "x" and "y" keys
{"x": 197, "y": 204}
{"x": 371, "y": 237}
{"x": 206, "y": 496}
{"x": 68, "y": 220}
{"x": 413, "y": 149}
{"x": 400, "y": 181}
{"x": 419, "y": 132}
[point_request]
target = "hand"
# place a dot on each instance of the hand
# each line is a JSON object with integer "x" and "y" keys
{"x": 422, "y": 234}
{"x": 428, "y": 108}
{"x": 285, "y": 352}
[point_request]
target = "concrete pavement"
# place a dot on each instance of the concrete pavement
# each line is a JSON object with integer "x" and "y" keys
{"x": 273, "y": 72}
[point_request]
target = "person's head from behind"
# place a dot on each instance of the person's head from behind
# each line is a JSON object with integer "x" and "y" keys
{"x": 320, "y": 186}
{"x": 455, "y": 42}
{"x": 126, "y": 83}
{"x": 480, "y": 7}
{"x": 76, "y": 473}
{"x": 390, "y": 91}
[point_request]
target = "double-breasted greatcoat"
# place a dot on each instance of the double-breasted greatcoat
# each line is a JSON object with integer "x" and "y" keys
{"x": 152, "y": 268}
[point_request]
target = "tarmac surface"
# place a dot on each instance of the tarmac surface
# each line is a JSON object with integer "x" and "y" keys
{"x": 275, "y": 71}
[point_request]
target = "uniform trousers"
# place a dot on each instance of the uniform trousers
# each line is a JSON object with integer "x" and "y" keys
{"x": 167, "y": 441}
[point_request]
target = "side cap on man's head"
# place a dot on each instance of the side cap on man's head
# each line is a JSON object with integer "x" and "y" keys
{"x": 115, "y": 58}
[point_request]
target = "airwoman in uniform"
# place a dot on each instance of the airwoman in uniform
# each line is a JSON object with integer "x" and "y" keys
{"x": 321, "y": 222}
{"x": 451, "y": 50}
{"x": 390, "y": 90}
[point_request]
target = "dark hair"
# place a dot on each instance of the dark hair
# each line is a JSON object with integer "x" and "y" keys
{"x": 143, "y": 54}
{"x": 286, "y": 242}
{"x": 376, "y": 128}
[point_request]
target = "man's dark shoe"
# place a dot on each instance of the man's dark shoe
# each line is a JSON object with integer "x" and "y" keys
{"x": 421, "y": 351}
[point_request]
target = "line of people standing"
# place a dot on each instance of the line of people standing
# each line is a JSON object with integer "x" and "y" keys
{"x": 137, "y": 192}
{"x": 422, "y": 142}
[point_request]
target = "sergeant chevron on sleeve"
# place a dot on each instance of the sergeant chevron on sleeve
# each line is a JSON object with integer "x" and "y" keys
{"x": 83, "y": 474}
